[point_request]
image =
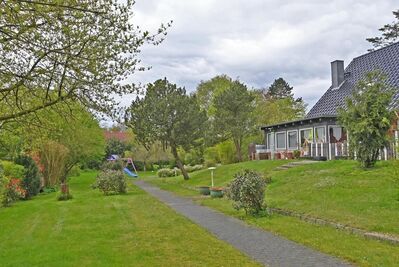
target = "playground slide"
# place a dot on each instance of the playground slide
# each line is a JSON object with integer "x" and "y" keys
{"x": 130, "y": 173}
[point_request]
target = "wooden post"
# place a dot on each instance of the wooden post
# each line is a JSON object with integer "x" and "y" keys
{"x": 385, "y": 153}
{"x": 317, "y": 150}
{"x": 322, "y": 149}
{"x": 329, "y": 151}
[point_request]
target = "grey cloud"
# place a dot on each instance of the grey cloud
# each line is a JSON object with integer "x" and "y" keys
{"x": 258, "y": 40}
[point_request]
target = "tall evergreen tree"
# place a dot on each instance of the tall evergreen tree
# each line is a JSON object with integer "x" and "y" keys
{"x": 279, "y": 89}
{"x": 389, "y": 32}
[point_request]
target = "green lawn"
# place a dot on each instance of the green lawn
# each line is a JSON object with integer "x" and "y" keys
{"x": 335, "y": 190}
{"x": 340, "y": 191}
{"x": 97, "y": 230}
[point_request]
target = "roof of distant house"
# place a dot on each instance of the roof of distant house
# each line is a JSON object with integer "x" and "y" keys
{"x": 119, "y": 135}
{"x": 385, "y": 59}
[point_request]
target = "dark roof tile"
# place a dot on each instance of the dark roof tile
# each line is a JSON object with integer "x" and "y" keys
{"x": 385, "y": 59}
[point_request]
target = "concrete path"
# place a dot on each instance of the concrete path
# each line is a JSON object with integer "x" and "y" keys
{"x": 264, "y": 247}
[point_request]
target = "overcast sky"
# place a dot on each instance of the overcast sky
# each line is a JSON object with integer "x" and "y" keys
{"x": 258, "y": 41}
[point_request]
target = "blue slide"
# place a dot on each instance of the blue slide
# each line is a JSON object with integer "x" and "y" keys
{"x": 130, "y": 173}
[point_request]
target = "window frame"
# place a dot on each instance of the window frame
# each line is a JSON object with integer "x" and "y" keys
{"x": 300, "y": 137}
{"x": 325, "y": 134}
{"x": 285, "y": 140}
{"x": 288, "y": 140}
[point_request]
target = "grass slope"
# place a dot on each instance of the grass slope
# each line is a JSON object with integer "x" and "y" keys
{"x": 340, "y": 191}
{"x": 96, "y": 230}
{"x": 336, "y": 196}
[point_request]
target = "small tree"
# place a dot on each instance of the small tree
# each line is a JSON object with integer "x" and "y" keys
{"x": 53, "y": 157}
{"x": 234, "y": 117}
{"x": 367, "y": 117}
{"x": 247, "y": 190}
{"x": 168, "y": 115}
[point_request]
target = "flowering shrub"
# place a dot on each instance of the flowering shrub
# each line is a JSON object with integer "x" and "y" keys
{"x": 247, "y": 190}
{"x": 111, "y": 182}
{"x": 13, "y": 192}
{"x": 169, "y": 172}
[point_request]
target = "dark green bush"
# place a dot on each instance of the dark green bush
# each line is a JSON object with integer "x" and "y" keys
{"x": 111, "y": 182}
{"x": 247, "y": 190}
{"x": 31, "y": 179}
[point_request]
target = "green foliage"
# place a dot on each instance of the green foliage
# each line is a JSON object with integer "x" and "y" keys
{"x": 31, "y": 179}
{"x": 367, "y": 117}
{"x": 82, "y": 52}
{"x": 54, "y": 157}
{"x": 169, "y": 116}
{"x": 226, "y": 152}
{"x": 64, "y": 196}
{"x": 279, "y": 89}
{"x": 234, "y": 117}
{"x": 269, "y": 110}
{"x": 13, "y": 170}
{"x": 115, "y": 147}
{"x": 13, "y": 192}
{"x": 297, "y": 154}
{"x": 194, "y": 168}
{"x": 111, "y": 182}
{"x": 3, "y": 183}
{"x": 115, "y": 165}
{"x": 208, "y": 90}
{"x": 168, "y": 172}
{"x": 211, "y": 156}
{"x": 247, "y": 190}
{"x": 389, "y": 32}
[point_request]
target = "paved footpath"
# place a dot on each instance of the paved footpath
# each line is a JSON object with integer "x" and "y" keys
{"x": 264, "y": 247}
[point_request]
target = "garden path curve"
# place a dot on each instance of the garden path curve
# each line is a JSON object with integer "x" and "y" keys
{"x": 264, "y": 247}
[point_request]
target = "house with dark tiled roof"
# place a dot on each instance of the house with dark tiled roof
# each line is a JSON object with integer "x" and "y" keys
{"x": 319, "y": 134}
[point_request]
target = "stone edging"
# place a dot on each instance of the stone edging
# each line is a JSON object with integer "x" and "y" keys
{"x": 370, "y": 235}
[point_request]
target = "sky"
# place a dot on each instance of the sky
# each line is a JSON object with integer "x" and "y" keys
{"x": 258, "y": 41}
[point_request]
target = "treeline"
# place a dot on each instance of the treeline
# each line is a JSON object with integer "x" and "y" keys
{"x": 212, "y": 125}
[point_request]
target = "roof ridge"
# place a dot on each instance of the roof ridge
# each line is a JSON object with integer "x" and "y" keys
{"x": 377, "y": 50}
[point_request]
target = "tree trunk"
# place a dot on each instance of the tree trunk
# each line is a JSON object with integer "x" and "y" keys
{"x": 178, "y": 162}
{"x": 237, "y": 143}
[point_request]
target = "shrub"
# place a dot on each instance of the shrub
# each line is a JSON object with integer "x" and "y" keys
{"x": 64, "y": 197}
{"x": 3, "y": 183}
{"x": 297, "y": 154}
{"x": 13, "y": 192}
{"x": 111, "y": 182}
{"x": 227, "y": 152}
{"x": 168, "y": 172}
{"x": 247, "y": 190}
{"x": 53, "y": 156}
{"x": 116, "y": 165}
{"x": 31, "y": 179}
{"x": 211, "y": 156}
{"x": 193, "y": 168}
{"x": 10, "y": 169}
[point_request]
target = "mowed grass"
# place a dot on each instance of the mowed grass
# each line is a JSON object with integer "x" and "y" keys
{"x": 290, "y": 190}
{"x": 97, "y": 230}
{"x": 341, "y": 191}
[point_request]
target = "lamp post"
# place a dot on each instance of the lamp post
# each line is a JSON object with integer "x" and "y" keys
{"x": 212, "y": 169}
